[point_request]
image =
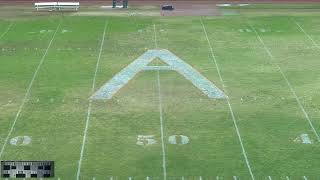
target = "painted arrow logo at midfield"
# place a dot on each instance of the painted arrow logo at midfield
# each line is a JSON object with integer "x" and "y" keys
{"x": 173, "y": 62}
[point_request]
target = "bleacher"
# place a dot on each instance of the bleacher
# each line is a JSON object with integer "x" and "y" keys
{"x": 57, "y": 6}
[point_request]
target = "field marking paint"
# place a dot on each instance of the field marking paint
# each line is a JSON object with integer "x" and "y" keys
{"x": 174, "y": 63}
{"x": 302, "y": 30}
{"x": 235, "y": 178}
{"x": 111, "y": 178}
{"x": 148, "y": 178}
{"x": 244, "y": 153}
{"x": 304, "y": 139}
{"x": 20, "y": 141}
{"x": 7, "y": 30}
{"x": 305, "y": 178}
{"x": 287, "y": 178}
{"x": 217, "y": 177}
{"x": 272, "y": 60}
{"x": 200, "y": 178}
{"x": 5, "y": 105}
{"x": 130, "y": 178}
{"x": 155, "y": 36}
{"x": 182, "y": 178}
{"x": 164, "y": 167}
{"x": 269, "y": 177}
{"x": 183, "y": 139}
{"x": 90, "y": 101}
{"x": 24, "y": 100}
{"x": 145, "y": 140}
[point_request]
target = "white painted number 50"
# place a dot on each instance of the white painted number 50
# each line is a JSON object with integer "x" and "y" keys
{"x": 144, "y": 140}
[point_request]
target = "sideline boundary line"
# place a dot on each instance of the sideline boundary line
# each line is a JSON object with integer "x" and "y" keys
{"x": 28, "y": 90}
{"x": 7, "y": 30}
{"x": 160, "y": 112}
{"x": 272, "y": 60}
{"x": 228, "y": 101}
{"x": 90, "y": 102}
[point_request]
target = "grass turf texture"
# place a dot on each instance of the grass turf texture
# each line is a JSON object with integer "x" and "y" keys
{"x": 267, "y": 114}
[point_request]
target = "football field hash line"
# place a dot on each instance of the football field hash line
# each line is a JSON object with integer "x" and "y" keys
{"x": 28, "y": 91}
{"x": 90, "y": 102}
{"x": 309, "y": 37}
{"x": 160, "y": 112}
{"x": 7, "y": 30}
{"x": 228, "y": 102}
{"x": 272, "y": 60}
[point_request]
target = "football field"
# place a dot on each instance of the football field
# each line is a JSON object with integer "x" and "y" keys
{"x": 159, "y": 125}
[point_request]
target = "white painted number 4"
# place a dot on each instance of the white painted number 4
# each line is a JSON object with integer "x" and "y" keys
{"x": 144, "y": 140}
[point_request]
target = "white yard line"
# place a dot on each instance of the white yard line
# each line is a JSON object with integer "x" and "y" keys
{"x": 272, "y": 60}
{"x": 7, "y": 30}
{"x": 302, "y": 30}
{"x": 244, "y": 153}
{"x": 160, "y": 112}
{"x": 28, "y": 91}
{"x": 90, "y": 102}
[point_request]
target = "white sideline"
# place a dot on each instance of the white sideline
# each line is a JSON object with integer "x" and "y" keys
{"x": 228, "y": 101}
{"x": 160, "y": 111}
{"x": 272, "y": 60}
{"x": 28, "y": 91}
{"x": 7, "y": 30}
{"x": 90, "y": 102}
{"x": 310, "y": 38}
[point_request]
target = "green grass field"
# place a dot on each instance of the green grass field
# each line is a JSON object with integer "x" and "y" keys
{"x": 270, "y": 71}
